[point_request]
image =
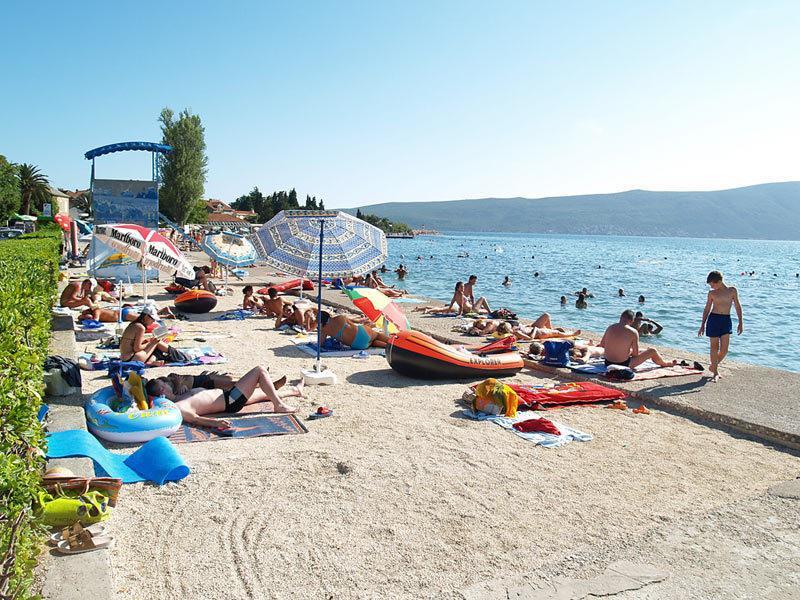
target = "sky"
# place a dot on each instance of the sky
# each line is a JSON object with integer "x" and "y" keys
{"x": 367, "y": 102}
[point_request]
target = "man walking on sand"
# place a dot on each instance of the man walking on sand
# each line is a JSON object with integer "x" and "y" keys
{"x": 717, "y": 322}
{"x": 621, "y": 344}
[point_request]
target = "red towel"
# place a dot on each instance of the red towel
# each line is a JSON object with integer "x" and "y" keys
{"x": 537, "y": 425}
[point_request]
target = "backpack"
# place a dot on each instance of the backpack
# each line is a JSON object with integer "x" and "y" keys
{"x": 556, "y": 353}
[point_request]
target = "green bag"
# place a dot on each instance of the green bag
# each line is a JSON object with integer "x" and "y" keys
{"x": 63, "y": 510}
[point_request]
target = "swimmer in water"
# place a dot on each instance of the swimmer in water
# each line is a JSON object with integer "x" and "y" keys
{"x": 641, "y": 299}
{"x": 585, "y": 293}
{"x": 563, "y": 300}
{"x": 507, "y": 281}
{"x": 621, "y": 293}
{"x": 581, "y": 301}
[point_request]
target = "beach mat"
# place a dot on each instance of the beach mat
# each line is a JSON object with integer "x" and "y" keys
{"x": 243, "y": 427}
{"x": 408, "y": 300}
{"x": 644, "y": 372}
{"x": 199, "y": 355}
{"x": 156, "y": 461}
{"x": 310, "y": 348}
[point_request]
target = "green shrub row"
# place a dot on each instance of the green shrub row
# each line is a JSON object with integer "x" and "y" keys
{"x": 28, "y": 285}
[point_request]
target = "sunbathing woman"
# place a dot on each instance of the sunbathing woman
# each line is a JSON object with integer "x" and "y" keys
{"x": 132, "y": 345}
{"x": 483, "y": 327}
{"x": 376, "y": 282}
{"x": 355, "y": 335}
{"x": 111, "y": 315}
{"x": 460, "y": 300}
{"x": 542, "y": 329}
{"x": 254, "y": 387}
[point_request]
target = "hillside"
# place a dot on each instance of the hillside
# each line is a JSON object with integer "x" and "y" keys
{"x": 766, "y": 211}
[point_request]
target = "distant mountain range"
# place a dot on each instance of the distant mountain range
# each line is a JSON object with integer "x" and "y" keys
{"x": 766, "y": 211}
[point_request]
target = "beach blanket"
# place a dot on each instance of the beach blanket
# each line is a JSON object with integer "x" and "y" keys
{"x": 242, "y": 427}
{"x": 645, "y": 371}
{"x": 408, "y": 300}
{"x": 539, "y": 397}
{"x": 199, "y": 355}
{"x": 548, "y": 440}
{"x": 304, "y": 344}
{"x": 236, "y": 315}
{"x": 156, "y": 461}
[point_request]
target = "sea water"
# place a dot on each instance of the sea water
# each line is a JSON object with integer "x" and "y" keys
{"x": 669, "y": 272}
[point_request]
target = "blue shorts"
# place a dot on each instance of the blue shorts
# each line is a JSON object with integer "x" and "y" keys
{"x": 124, "y": 312}
{"x": 718, "y": 325}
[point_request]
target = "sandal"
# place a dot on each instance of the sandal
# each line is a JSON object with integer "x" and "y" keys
{"x": 618, "y": 404}
{"x": 641, "y": 410}
{"x": 322, "y": 412}
{"x": 84, "y": 542}
{"x": 96, "y": 530}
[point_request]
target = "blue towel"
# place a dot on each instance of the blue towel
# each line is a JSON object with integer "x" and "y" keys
{"x": 155, "y": 461}
{"x": 91, "y": 324}
{"x": 236, "y": 315}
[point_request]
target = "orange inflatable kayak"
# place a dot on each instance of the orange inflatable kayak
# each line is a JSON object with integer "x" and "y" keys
{"x": 417, "y": 355}
{"x": 196, "y": 301}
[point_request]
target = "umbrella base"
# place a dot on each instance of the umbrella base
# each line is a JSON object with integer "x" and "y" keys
{"x": 324, "y": 377}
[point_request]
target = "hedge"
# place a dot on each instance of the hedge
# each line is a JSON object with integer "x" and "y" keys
{"x": 28, "y": 286}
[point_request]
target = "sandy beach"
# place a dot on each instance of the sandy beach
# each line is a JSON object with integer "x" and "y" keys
{"x": 399, "y": 496}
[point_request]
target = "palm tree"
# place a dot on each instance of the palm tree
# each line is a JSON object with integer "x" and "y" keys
{"x": 33, "y": 186}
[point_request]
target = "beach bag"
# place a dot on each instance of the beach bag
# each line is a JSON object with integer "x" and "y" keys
{"x": 495, "y": 398}
{"x": 556, "y": 353}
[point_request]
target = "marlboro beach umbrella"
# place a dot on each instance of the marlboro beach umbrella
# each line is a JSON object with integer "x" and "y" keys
{"x": 377, "y": 306}
{"x": 149, "y": 248}
{"x": 325, "y": 243}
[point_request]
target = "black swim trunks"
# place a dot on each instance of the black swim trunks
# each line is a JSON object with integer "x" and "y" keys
{"x": 234, "y": 400}
{"x": 625, "y": 363}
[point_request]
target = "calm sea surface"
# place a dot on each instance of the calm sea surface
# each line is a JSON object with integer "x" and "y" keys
{"x": 669, "y": 272}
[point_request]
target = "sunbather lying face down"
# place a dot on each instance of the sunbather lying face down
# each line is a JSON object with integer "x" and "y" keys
{"x": 255, "y": 386}
{"x": 357, "y": 336}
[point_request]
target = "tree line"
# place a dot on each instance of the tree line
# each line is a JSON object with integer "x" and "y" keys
{"x": 383, "y": 223}
{"x": 267, "y": 207}
{"x": 23, "y": 189}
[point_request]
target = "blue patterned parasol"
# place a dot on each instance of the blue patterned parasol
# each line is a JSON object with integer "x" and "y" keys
{"x": 290, "y": 242}
{"x": 328, "y": 243}
{"x": 229, "y": 249}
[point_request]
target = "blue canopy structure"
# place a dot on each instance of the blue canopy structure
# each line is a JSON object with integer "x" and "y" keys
{"x": 126, "y": 146}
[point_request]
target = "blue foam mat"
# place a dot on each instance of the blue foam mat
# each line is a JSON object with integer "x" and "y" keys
{"x": 156, "y": 461}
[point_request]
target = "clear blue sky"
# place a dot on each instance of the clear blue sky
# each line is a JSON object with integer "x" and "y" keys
{"x": 365, "y": 102}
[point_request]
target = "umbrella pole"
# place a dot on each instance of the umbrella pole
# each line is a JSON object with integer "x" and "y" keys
{"x": 144, "y": 281}
{"x": 319, "y": 296}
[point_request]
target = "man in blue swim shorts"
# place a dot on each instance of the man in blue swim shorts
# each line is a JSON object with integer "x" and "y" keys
{"x": 355, "y": 335}
{"x": 717, "y": 323}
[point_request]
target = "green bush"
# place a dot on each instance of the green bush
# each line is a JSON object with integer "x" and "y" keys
{"x": 28, "y": 285}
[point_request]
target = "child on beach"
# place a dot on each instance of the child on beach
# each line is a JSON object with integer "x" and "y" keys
{"x": 717, "y": 319}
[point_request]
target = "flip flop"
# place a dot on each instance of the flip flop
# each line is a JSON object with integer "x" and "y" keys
{"x": 322, "y": 412}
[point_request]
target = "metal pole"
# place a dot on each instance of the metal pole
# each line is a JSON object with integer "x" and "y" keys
{"x": 319, "y": 296}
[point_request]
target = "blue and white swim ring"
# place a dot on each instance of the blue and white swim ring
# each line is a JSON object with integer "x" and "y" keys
{"x": 132, "y": 426}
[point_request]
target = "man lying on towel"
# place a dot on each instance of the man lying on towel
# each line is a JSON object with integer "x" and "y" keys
{"x": 621, "y": 343}
{"x": 356, "y": 335}
{"x": 255, "y": 386}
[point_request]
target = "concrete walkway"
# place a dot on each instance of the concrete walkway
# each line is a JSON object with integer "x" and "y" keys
{"x": 750, "y": 399}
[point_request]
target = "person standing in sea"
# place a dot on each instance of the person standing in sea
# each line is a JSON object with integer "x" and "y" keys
{"x": 717, "y": 323}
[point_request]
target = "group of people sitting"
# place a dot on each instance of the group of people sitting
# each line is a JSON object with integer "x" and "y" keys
{"x": 463, "y": 299}
{"x": 619, "y": 345}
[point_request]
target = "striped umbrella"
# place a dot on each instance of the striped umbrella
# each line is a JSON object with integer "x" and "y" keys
{"x": 149, "y": 248}
{"x": 377, "y": 306}
{"x": 230, "y": 249}
{"x": 327, "y": 243}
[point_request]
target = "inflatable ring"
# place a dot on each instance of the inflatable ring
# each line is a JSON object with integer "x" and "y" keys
{"x": 417, "y": 355}
{"x": 133, "y": 426}
{"x": 196, "y": 301}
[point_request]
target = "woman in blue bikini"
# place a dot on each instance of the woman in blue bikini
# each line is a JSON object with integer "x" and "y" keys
{"x": 358, "y": 337}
